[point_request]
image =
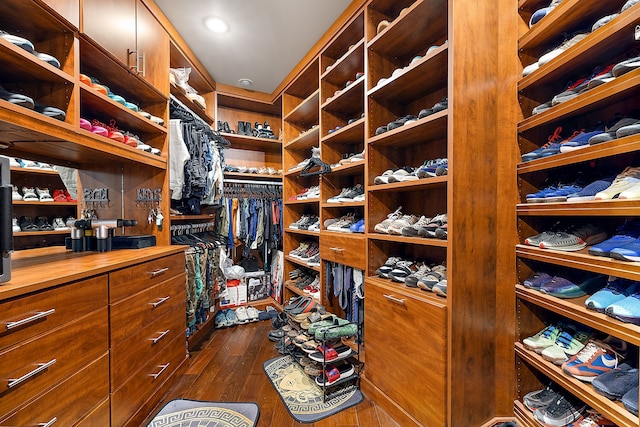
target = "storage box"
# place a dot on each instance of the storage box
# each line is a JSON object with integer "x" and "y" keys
{"x": 236, "y": 294}
{"x": 259, "y": 287}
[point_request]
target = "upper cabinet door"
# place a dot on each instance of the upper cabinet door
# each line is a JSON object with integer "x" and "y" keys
{"x": 68, "y": 9}
{"x": 112, "y": 24}
{"x": 153, "y": 50}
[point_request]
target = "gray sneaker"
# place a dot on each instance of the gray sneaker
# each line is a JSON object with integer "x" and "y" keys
{"x": 412, "y": 280}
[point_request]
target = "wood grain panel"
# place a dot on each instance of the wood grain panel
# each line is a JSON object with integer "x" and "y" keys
{"x": 344, "y": 249}
{"x": 131, "y": 314}
{"x": 128, "y": 281}
{"x": 100, "y": 416}
{"x": 87, "y": 296}
{"x": 406, "y": 368}
{"x": 90, "y": 341}
{"x": 70, "y": 400}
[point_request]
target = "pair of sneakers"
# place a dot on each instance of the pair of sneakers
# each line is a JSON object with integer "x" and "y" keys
{"x": 246, "y": 314}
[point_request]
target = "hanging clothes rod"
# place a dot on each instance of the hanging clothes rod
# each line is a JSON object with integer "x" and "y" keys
{"x": 242, "y": 181}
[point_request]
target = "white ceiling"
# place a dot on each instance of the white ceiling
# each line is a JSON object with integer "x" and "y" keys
{"x": 265, "y": 41}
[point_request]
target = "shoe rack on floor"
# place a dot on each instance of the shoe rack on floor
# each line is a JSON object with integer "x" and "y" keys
{"x": 607, "y": 45}
{"x": 300, "y": 117}
{"x": 342, "y": 123}
{"x": 452, "y": 350}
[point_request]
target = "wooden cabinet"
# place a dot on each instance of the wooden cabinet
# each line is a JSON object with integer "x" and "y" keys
{"x": 127, "y": 30}
{"x": 68, "y": 9}
{"x": 609, "y": 44}
{"x": 68, "y": 355}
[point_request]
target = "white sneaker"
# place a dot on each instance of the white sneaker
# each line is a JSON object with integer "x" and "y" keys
{"x": 396, "y": 226}
{"x": 16, "y": 227}
{"x": 59, "y": 225}
{"x": 13, "y": 162}
{"x": 560, "y": 49}
{"x": 15, "y": 195}
{"x": 624, "y": 181}
{"x": 29, "y": 194}
{"x": 383, "y": 227}
{"x": 43, "y": 194}
{"x": 241, "y": 315}
{"x": 632, "y": 192}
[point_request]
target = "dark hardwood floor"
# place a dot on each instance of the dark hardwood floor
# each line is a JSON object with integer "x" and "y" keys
{"x": 227, "y": 366}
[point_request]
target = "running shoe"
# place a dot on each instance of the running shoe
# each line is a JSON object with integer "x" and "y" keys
{"x": 615, "y": 383}
{"x": 543, "y": 339}
{"x": 616, "y": 290}
{"x": 592, "y": 418}
{"x": 628, "y": 252}
{"x": 562, "y": 288}
{"x": 580, "y": 141}
{"x": 574, "y": 239}
{"x": 555, "y": 137}
{"x": 589, "y": 191}
{"x": 626, "y": 310}
{"x": 626, "y": 234}
{"x": 568, "y": 343}
{"x": 594, "y": 359}
{"x": 630, "y": 401}
{"x": 561, "y": 412}
{"x": 536, "y": 280}
{"x": 540, "y": 398}
{"x": 625, "y": 180}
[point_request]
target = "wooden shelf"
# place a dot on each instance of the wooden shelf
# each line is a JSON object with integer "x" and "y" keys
{"x": 614, "y": 207}
{"x": 425, "y": 130}
{"x": 175, "y": 217}
{"x": 410, "y": 84}
{"x": 38, "y": 203}
{"x": 574, "y": 308}
{"x": 305, "y": 141}
{"x": 252, "y": 176}
{"x": 298, "y": 291}
{"x": 348, "y": 168}
{"x": 301, "y": 202}
{"x": 620, "y": 146}
{"x": 306, "y": 112}
{"x": 305, "y": 232}
{"x": 25, "y": 66}
{"x": 581, "y": 260}
{"x": 244, "y": 142}
{"x": 595, "y": 49}
{"x": 346, "y": 67}
{"x": 195, "y": 107}
{"x": 301, "y": 263}
{"x": 611, "y": 410}
{"x": 349, "y": 101}
{"x": 409, "y": 240}
{"x": 524, "y": 416}
{"x": 410, "y": 185}
{"x": 347, "y": 134}
{"x": 342, "y": 205}
{"x": 616, "y": 91}
{"x": 40, "y": 233}
{"x": 36, "y": 171}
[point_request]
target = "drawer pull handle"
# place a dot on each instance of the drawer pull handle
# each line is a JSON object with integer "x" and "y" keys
{"x": 393, "y": 299}
{"x": 37, "y": 316}
{"x": 50, "y": 423}
{"x": 337, "y": 249}
{"x": 159, "y": 337}
{"x": 41, "y": 367}
{"x": 159, "y": 302}
{"x": 157, "y": 374}
{"x": 159, "y": 272}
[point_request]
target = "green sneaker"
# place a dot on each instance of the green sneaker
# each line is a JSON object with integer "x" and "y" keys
{"x": 568, "y": 343}
{"x": 339, "y": 328}
{"x": 543, "y": 339}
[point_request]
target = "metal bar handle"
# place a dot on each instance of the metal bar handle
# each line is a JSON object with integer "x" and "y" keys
{"x": 41, "y": 367}
{"x": 37, "y": 316}
{"x": 132, "y": 52}
{"x": 50, "y": 423}
{"x": 159, "y": 272}
{"x": 159, "y": 337}
{"x": 144, "y": 64}
{"x": 160, "y": 301}
{"x": 162, "y": 369}
{"x": 337, "y": 249}
{"x": 393, "y": 299}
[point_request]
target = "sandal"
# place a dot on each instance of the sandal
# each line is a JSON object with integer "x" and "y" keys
{"x": 335, "y": 373}
{"x": 328, "y": 353}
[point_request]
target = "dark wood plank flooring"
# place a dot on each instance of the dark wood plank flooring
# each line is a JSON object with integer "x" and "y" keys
{"x": 227, "y": 366}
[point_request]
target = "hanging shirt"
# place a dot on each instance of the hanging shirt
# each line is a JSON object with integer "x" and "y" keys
{"x": 178, "y": 158}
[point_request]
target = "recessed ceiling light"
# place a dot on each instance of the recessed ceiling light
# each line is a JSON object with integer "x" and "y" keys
{"x": 216, "y": 25}
{"x": 245, "y": 82}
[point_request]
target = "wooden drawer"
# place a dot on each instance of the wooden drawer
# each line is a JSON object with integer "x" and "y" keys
{"x": 145, "y": 344}
{"x": 133, "y": 394}
{"x": 132, "y": 314}
{"x": 131, "y": 280}
{"x": 344, "y": 249}
{"x": 406, "y": 351}
{"x": 25, "y": 317}
{"x": 51, "y": 358}
{"x": 100, "y": 416}
{"x": 69, "y": 401}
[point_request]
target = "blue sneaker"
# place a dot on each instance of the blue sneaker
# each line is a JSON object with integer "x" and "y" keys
{"x": 626, "y": 234}
{"x": 538, "y": 279}
{"x": 630, "y": 401}
{"x": 589, "y": 192}
{"x": 537, "y": 153}
{"x": 628, "y": 252}
{"x": 616, "y": 290}
{"x": 356, "y": 226}
{"x": 220, "y": 319}
{"x": 614, "y": 384}
{"x": 231, "y": 317}
{"x": 626, "y": 310}
{"x": 563, "y": 288}
{"x": 562, "y": 193}
{"x": 541, "y": 195}
{"x": 580, "y": 141}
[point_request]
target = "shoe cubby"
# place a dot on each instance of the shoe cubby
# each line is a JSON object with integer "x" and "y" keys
{"x": 603, "y": 104}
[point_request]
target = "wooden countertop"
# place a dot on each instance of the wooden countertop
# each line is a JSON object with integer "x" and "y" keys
{"x": 36, "y": 269}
